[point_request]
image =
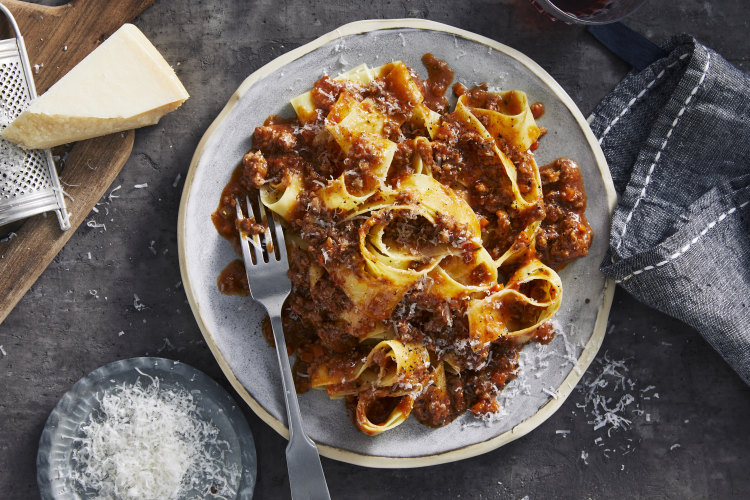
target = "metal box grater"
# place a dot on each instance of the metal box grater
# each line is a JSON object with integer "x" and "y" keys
{"x": 28, "y": 180}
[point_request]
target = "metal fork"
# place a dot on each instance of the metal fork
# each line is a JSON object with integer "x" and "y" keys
{"x": 269, "y": 286}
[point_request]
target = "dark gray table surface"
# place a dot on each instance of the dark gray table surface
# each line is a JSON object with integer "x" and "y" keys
{"x": 688, "y": 437}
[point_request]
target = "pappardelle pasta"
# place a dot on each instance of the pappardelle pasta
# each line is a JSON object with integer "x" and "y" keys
{"x": 423, "y": 241}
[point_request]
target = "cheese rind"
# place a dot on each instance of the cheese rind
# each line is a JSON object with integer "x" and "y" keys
{"x": 124, "y": 83}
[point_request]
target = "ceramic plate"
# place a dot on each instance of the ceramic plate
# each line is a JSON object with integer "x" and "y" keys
{"x": 54, "y": 459}
{"x": 231, "y": 325}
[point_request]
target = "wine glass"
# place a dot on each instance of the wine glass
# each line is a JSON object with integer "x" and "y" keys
{"x": 587, "y": 11}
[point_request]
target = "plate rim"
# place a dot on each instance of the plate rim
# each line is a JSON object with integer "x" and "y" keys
{"x": 587, "y": 354}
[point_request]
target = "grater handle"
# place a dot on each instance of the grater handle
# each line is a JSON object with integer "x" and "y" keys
{"x": 11, "y": 20}
{"x": 22, "y": 51}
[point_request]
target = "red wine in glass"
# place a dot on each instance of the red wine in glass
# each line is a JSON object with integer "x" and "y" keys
{"x": 587, "y": 11}
{"x": 579, "y": 7}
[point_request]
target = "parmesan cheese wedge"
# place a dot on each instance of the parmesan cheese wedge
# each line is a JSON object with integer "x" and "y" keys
{"x": 124, "y": 83}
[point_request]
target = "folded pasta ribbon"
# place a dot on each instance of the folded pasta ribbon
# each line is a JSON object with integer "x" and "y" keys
{"x": 389, "y": 378}
{"x": 468, "y": 118}
{"x": 532, "y": 296}
{"x": 394, "y": 372}
{"x": 392, "y": 265}
{"x": 282, "y": 197}
{"x": 512, "y": 119}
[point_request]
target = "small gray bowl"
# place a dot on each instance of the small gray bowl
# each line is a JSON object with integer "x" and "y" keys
{"x": 54, "y": 458}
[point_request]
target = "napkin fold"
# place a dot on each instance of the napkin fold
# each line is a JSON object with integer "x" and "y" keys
{"x": 677, "y": 139}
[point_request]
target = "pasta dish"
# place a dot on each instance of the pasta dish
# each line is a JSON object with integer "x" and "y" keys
{"x": 423, "y": 239}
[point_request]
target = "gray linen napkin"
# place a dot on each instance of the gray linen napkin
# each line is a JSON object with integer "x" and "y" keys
{"x": 677, "y": 139}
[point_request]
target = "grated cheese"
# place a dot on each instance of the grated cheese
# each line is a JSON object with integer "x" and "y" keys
{"x": 94, "y": 225}
{"x": 139, "y": 306}
{"x": 148, "y": 442}
{"x": 551, "y": 393}
{"x": 111, "y": 196}
{"x": 612, "y": 402}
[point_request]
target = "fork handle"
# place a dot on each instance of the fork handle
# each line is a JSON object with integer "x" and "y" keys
{"x": 306, "y": 478}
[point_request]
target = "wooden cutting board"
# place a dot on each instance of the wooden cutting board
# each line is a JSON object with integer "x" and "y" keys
{"x": 57, "y": 38}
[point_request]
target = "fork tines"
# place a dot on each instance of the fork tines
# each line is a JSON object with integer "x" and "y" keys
{"x": 268, "y": 245}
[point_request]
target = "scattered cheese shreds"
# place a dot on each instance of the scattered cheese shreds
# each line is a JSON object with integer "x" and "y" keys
{"x": 148, "y": 442}
{"x": 110, "y": 195}
{"x": 599, "y": 406}
{"x": 141, "y": 186}
{"x": 549, "y": 392}
{"x": 139, "y": 306}
{"x": 94, "y": 225}
{"x": 3, "y": 351}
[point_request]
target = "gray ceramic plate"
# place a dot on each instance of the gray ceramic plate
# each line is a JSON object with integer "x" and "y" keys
{"x": 231, "y": 325}
{"x": 54, "y": 463}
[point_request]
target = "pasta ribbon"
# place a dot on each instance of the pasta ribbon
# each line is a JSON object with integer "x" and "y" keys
{"x": 398, "y": 79}
{"x": 455, "y": 278}
{"x": 393, "y": 258}
{"x": 303, "y": 104}
{"x": 337, "y": 196}
{"x": 513, "y": 121}
{"x": 467, "y": 116}
{"x": 394, "y": 372}
{"x": 400, "y": 412}
{"x": 519, "y": 247}
{"x": 532, "y": 296}
{"x": 395, "y": 365}
{"x": 427, "y": 118}
{"x": 349, "y": 118}
{"x": 282, "y": 198}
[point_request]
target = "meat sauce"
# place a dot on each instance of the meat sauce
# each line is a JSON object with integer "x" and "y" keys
{"x": 565, "y": 234}
{"x": 233, "y": 279}
{"x": 457, "y": 157}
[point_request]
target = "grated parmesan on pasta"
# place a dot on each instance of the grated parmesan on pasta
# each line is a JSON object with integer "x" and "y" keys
{"x": 148, "y": 442}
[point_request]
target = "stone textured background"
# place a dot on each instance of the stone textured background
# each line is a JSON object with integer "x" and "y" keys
{"x": 67, "y": 325}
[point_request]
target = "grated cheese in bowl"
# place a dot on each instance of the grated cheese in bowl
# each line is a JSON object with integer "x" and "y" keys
{"x": 147, "y": 442}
